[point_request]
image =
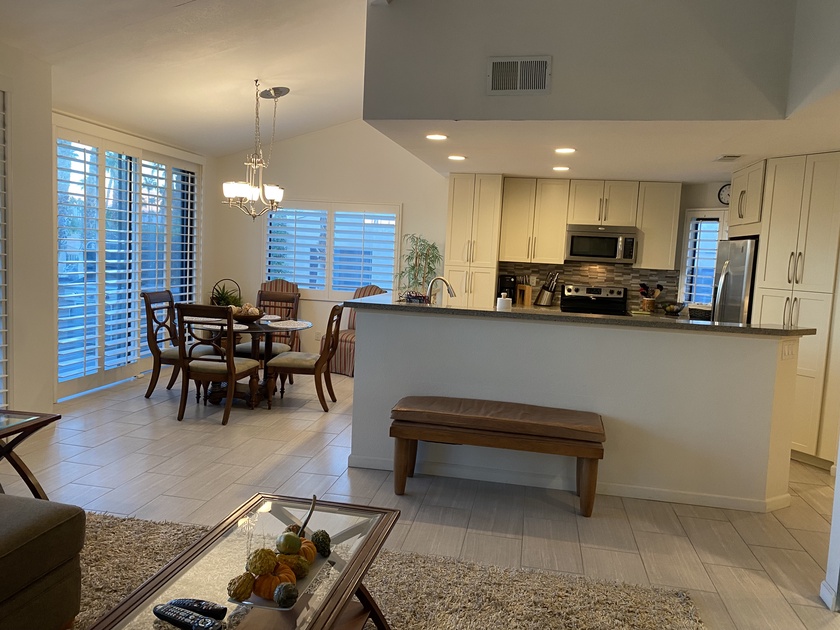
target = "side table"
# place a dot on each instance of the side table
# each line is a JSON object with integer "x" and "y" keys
{"x": 15, "y": 427}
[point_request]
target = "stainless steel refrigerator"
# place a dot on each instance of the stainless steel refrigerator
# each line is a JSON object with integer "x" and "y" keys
{"x": 733, "y": 281}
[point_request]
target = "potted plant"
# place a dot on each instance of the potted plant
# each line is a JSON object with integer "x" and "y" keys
{"x": 221, "y": 295}
{"x": 420, "y": 262}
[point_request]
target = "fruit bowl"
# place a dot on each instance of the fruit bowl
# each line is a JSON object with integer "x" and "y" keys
{"x": 248, "y": 319}
{"x": 673, "y": 308}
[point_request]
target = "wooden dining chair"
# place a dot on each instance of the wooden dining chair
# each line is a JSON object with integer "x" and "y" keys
{"x": 288, "y": 363}
{"x": 205, "y": 356}
{"x": 284, "y": 305}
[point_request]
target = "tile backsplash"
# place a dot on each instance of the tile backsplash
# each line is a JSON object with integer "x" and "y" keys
{"x": 593, "y": 274}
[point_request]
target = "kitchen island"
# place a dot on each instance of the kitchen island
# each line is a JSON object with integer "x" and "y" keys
{"x": 694, "y": 412}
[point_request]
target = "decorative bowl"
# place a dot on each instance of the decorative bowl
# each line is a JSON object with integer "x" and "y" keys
{"x": 248, "y": 319}
{"x": 673, "y": 308}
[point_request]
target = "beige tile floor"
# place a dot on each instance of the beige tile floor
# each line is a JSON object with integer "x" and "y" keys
{"x": 115, "y": 451}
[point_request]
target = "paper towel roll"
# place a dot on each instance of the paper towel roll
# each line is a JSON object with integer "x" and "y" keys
{"x": 503, "y": 303}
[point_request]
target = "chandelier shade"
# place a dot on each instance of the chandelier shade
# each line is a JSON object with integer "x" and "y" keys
{"x": 250, "y": 194}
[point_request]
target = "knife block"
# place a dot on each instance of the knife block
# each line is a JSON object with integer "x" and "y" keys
{"x": 523, "y": 295}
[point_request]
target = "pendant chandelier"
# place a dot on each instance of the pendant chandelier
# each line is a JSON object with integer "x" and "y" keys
{"x": 249, "y": 194}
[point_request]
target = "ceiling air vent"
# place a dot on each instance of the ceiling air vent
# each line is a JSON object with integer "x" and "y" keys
{"x": 519, "y": 75}
{"x": 728, "y": 158}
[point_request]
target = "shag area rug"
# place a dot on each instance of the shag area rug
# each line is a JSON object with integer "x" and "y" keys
{"x": 415, "y": 592}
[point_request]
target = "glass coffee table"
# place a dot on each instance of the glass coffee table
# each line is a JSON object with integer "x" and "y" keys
{"x": 15, "y": 427}
{"x": 326, "y": 594}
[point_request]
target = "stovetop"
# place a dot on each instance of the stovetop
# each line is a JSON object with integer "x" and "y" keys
{"x": 575, "y": 298}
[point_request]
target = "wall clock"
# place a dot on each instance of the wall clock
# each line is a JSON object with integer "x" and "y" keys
{"x": 724, "y": 193}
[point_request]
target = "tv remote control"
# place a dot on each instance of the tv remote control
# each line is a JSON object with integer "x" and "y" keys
{"x": 185, "y": 619}
{"x": 202, "y": 607}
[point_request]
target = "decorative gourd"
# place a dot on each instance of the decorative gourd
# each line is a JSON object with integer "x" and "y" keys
{"x": 321, "y": 540}
{"x": 298, "y": 564}
{"x": 285, "y": 595}
{"x": 307, "y": 550}
{"x": 288, "y": 542}
{"x": 261, "y": 562}
{"x": 264, "y": 586}
{"x": 285, "y": 573}
{"x": 240, "y": 587}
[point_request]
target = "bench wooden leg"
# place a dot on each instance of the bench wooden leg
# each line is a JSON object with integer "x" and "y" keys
{"x": 402, "y": 458}
{"x": 587, "y": 479}
{"x": 412, "y": 457}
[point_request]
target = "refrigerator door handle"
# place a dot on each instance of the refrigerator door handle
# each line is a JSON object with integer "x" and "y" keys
{"x": 719, "y": 297}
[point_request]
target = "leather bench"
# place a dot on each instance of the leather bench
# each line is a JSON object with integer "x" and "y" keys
{"x": 498, "y": 424}
{"x": 40, "y": 542}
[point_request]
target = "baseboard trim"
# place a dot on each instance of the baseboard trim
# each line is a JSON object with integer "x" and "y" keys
{"x": 829, "y": 595}
{"x": 564, "y": 483}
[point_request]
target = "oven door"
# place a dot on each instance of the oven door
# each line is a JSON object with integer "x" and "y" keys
{"x": 591, "y": 247}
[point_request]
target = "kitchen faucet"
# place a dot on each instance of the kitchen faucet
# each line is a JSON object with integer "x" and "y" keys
{"x": 449, "y": 288}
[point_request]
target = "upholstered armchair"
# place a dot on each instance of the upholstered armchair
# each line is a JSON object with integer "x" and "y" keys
{"x": 345, "y": 356}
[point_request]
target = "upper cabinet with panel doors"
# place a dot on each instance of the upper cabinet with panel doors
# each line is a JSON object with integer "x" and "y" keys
{"x": 745, "y": 197}
{"x": 593, "y": 202}
{"x": 800, "y": 230}
{"x": 658, "y": 222}
{"x": 475, "y": 208}
{"x": 534, "y": 220}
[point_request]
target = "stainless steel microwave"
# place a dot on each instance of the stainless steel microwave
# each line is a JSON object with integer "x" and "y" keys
{"x": 601, "y": 243}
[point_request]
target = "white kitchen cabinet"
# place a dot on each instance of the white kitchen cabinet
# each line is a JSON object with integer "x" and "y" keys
{"x": 475, "y": 208}
{"x": 534, "y": 220}
{"x": 746, "y": 195}
{"x": 593, "y": 202}
{"x": 802, "y": 309}
{"x": 658, "y": 221}
{"x": 472, "y": 237}
{"x": 473, "y": 286}
{"x": 800, "y": 231}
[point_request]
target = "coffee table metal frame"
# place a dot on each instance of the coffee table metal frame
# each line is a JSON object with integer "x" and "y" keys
{"x": 21, "y": 425}
{"x": 337, "y": 610}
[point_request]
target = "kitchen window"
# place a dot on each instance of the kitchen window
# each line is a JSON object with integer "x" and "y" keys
{"x": 703, "y": 230}
{"x": 331, "y": 249}
{"x": 125, "y": 225}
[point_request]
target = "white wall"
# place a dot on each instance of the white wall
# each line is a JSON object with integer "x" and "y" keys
{"x": 31, "y": 242}
{"x": 815, "y": 66}
{"x": 710, "y": 60}
{"x": 351, "y": 162}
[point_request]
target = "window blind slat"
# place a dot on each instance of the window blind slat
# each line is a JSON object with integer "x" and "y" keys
{"x": 701, "y": 255}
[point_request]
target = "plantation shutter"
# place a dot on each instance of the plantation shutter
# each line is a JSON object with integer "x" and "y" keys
{"x": 701, "y": 253}
{"x": 183, "y": 235}
{"x": 77, "y": 183}
{"x": 297, "y": 247}
{"x": 363, "y": 250}
{"x": 4, "y": 330}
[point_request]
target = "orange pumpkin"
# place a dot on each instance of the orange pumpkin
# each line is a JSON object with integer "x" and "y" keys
{"x": 285, "y": 573}
{"x": 264, "y": 586}
{"x": 307, "y": 549}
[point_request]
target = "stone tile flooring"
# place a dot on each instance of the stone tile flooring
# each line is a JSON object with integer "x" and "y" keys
{"x": 118, "y": 452}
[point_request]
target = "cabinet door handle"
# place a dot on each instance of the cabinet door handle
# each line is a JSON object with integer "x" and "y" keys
{"x": 606, "y": 207}
{"x": 529, "y": 247}
{"x": 790, "y": 266}
{"x": 785, "y": 312}
{"x": 799, "y": 268}
{"x": 600, "y": 208}
{"x": 534, "y": 248}
{"x": 741, "y": 198}
{"x": 465, "y": 251}
{"x": 794, "y": 320}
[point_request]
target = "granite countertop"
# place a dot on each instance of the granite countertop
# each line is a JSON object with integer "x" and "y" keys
{"x": 386, "y": 302}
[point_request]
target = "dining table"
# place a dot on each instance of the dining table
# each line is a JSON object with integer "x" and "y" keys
{"x": 261, "y": 331}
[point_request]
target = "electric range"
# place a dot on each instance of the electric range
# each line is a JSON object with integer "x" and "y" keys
{"x": 575, "y": 298}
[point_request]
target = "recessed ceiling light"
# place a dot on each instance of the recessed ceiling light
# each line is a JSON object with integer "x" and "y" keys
{"x": 457, "y": 157}
{"x": 564, "y": 150}
{"x": 561, "y": 168}
{"x": 435, "y": 136}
